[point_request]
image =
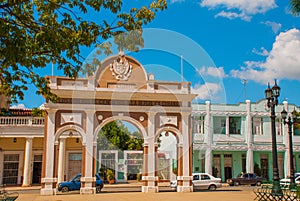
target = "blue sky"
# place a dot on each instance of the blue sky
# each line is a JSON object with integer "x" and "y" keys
{"x": 222, "y": 43}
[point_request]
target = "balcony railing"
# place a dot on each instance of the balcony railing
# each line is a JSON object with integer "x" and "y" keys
{"x": 22, "y": 121}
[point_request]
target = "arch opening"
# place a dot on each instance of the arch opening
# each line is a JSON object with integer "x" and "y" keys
{"x": 120, "y": 151}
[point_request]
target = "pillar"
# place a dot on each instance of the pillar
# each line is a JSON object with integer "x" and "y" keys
{"x": 48, "y": 180}
{"x": 27, "y": 162}
{"x": 186, "y": 177}
{"x": 227, "y": 131}
{"x": 249, "y": 139}
{"x": 88, "y": 179}
{"x": 61, "y": 160}
{"x": 209, "y": 140}
{"x": 287, "y": 144}
{"x": 145, "y": 168}
{"x": 150, "y": 179}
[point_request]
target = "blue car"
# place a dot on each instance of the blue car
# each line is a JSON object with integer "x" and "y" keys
{"x": 74, "y": 184}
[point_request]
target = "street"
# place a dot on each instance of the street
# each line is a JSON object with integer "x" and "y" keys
{"x": 117, "y": 193}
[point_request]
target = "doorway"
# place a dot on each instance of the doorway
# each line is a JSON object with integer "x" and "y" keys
{"x": 228, "y": 173}
{"x": 264, "y": 168}
{"x": 37, "y": 169}
{"x": 75, "y": 161}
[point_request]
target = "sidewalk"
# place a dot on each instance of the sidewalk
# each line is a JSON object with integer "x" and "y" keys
{"x": 117, "y": 185}
{"x": 226, "y": 193}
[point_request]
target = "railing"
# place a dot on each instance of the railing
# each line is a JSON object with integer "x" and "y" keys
{"x": 22, "y": 121}
{"x": 266, "y": 193}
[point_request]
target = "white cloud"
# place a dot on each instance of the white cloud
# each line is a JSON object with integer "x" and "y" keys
{"x": 19, "y": 106}
{"x": 261, "y": 52}
{"x": 177, "y": 1}
{"x": 275, "y": 26}
{"x": 245, "y": 8}
{"x": 206, "y": 91}
{"x": 233, "y": 15}
{"x": 283, "y": 61}
{"x": 212, "y": 71}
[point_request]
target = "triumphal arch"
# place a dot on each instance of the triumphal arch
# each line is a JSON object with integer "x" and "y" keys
{"x": 120, "y": 89}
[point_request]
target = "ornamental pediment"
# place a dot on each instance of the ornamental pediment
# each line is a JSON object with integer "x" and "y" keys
{"x": 122, "y": 72}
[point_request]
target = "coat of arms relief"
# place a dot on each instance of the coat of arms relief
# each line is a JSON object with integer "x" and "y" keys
{"x": 121, "y": 68}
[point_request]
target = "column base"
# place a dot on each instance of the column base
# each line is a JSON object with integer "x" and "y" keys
{"x": 185, "y": 184}
{"x": 150, "y": 189}
{"x": 185, "y": 189}
{"x": 47, "y": 187}
{"x": 45, "y": 191}
{"x": 88, "y": 190}
{"x": 26, "y": 185}
{"x": 87, "y": 185}
{"x": 151, "y": 184}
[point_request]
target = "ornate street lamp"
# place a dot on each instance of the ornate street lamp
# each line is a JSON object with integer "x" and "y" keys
{"x": 272, "y": 98}
{"x": 289, "y": 121}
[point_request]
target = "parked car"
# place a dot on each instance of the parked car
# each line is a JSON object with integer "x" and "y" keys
{"x": 75, "y": 183}
{"x": 202, "y": 181}
{"x": 246, "y": 179}
{"x": 287, "y": 181}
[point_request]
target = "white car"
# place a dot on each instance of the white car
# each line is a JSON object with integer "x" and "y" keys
{"x": 287, "y": 181}
{"x": 203, "y": 181}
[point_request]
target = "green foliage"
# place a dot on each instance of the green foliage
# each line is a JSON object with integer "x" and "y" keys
{"x": 37, "y": 33}
{"x": 295, "y": 7}
{"x": 139, "y": 176}
{"x": 115, "y": 135}
{"x": 4, "y": 112}
{"x": 36, "y": 112}
{"x": 110, "y": 175}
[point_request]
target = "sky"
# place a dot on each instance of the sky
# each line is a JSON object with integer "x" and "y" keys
{"x": 228, "y": 49}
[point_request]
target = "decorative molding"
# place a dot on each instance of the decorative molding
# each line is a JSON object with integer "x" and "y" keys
{"x": 71, "y": 118}
{"x": 120, "y": 68}
{"x": 170, "y": 120}
{"x": 118, "y": 102}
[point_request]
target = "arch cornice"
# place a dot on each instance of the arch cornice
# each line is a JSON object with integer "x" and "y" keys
{"x": 178, "y": 136}
{"x": 121, "y": 118}
{"x": 65, "y": 128}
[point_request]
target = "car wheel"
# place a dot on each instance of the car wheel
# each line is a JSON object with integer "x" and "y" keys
{"x": 65, "y": 189}
{"x": 236, "y": 183}
{"x": 212, "y": 187}
{"x": 258, "y": 183}
{"x": 98, "y": 189}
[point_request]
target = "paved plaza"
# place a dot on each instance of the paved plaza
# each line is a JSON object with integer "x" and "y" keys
{"x": 223, "y": 194}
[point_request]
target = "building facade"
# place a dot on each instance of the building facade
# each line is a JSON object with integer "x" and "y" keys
{"x": 223, "y": 140}
{"x": 230, "y": 139}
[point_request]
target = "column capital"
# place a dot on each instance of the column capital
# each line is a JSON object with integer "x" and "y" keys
{"x": 90, "y": 112}
{"x": 51, "y": 111}
{"x": 29, "y": 138}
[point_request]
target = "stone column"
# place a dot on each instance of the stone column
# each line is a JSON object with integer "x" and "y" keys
{"x": 209, "y": 139}
{"x": 227, "y": 131}
{"x": 151, "y": 179}
{"x": 145, "y": 168}
{"x": 179, "y": 168}
{"x": 285, "y": 134}
{"x": 186, "y": 163}
{"x": 88, "y": 178}
{"x": 61, "y": 160}
{"x": 27, "y": 162}
{"x": 48, "y": 180}
{"x": 249, "y": 139}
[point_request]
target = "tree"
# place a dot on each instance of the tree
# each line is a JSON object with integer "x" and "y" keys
{"x": 115, "y": 135}
{"x": 34, "y": 34}
{"x": 295, "y": 7}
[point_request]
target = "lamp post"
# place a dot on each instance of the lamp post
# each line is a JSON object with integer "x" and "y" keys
{"x": 272, "y": 98}
{"x": 289, "y": 121}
